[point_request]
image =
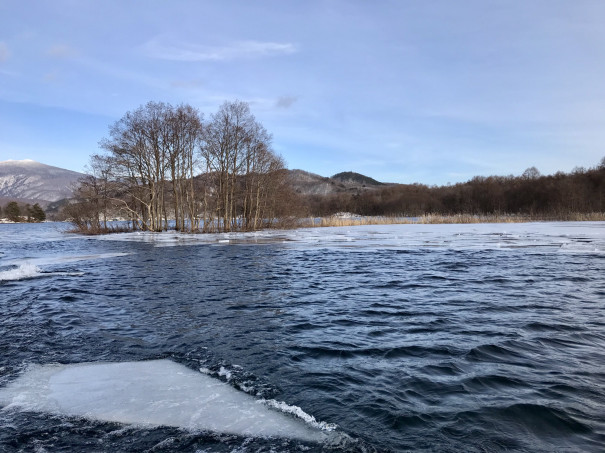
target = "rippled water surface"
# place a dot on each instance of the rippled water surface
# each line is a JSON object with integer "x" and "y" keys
{"x": 411, "y": 337}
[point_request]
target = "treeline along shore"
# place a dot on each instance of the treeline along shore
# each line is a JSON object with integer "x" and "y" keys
{"x": 167, "y": 167}
{"x": 562, "y": 196}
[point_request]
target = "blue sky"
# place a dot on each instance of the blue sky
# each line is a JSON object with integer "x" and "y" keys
{"x": 402, "y": 91}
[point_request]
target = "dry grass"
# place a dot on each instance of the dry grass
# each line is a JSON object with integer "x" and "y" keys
{"x": 353, "y": 221}
{"x": 338, "y": 221}
{"x": 470, "y": 218}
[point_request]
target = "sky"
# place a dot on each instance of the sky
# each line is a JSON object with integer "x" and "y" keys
{"x": 403, "y": 91}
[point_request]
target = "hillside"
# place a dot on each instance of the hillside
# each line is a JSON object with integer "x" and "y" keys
{"x": 355, "y": 179}
{"x": 27, "y": 181}
{"x": 33, "y": 182}
{"x": 305, "y": 183}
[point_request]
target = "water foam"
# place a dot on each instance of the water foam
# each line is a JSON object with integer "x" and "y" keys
{"x": 21, "y": 272}
{"x": 28, "y": 270}
{"x": 298, "y": 412}
{"x": 156, "y": 393}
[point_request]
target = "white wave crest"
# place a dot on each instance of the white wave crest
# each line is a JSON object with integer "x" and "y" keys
{"x": 22, "y": 272}
{"x": 225, "y": 373}
{"x": 298, "y": 412}
{"x": 28, "y": 270}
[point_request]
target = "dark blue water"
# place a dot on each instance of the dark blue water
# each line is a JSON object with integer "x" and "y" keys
{"x": 419, "y": 349}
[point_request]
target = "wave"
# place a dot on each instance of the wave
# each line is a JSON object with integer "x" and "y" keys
{"x": 27, "y": 271}
{"x": 61, "y": 259}
{"x": 502, "y": 354}
{"x": 298, "y": 412}
{"x": 386, "y": 352}
{"x": 540, "y": 419}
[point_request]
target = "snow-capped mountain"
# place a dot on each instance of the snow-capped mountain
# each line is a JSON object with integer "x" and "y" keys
{"x": 31, "y": 180}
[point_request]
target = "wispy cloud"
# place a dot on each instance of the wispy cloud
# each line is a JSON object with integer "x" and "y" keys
{"x": 51, "y": 77}
{"x": 190, "y": 83}
{"x": 158, "y": 48}
{"x": 8, "y": 73}
{"x": 61, "y": 51}
{"x": 4, "y": 52}
{"x": 285, "y": 102}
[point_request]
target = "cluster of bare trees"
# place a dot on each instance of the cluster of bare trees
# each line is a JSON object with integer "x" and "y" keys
{"x": 166, "y": 167}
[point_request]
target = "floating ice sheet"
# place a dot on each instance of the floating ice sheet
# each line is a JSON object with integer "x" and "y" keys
{"x": 583, "y": 237}
{"x": 156, "y": 393}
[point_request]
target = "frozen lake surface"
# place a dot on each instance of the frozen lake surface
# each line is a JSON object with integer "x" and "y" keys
{"x": 378, "y": 338}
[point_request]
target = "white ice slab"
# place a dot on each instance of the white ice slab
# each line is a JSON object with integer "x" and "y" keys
{"x": 566, "y": 237}
{"x": 156, "y": 392}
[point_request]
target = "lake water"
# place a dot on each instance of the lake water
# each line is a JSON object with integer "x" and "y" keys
{"x": 477, "y": 338}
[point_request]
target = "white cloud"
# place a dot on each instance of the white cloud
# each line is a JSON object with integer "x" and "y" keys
{"x": 4, "y": 52}
{"x": 238, "y": 50}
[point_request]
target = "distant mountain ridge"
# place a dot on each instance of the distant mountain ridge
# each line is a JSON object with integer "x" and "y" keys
{"x": 352, "y": 178}
{"x": 28, "y": 180}
{"x": 306, "y": 183}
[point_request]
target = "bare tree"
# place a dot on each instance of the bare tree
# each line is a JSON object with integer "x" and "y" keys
{"x": 138, "y": 149}
{"x": 238, "y": 156}
{"x": 223, "y": 145}
{"x": 184, "y": 127}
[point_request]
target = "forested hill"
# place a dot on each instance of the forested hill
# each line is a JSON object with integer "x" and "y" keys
{"x": 581, "y": 191}
{"x": 305, "y": 183}
{"x": 350, "y": 177}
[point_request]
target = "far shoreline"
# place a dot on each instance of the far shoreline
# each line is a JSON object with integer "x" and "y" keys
{"x": 346, "y": 220}
{"x": 351, "y": 220}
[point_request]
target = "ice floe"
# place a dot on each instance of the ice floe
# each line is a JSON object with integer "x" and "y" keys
{"x": 569, "y": 237}
{"x": 156, "y": 393}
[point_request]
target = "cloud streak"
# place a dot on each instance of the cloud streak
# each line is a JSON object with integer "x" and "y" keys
{"x": 155, "y": 48}
{"x": 285, "y": 102}
{"x": 61, "y": 51}
{"x": 4, "y": 52}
